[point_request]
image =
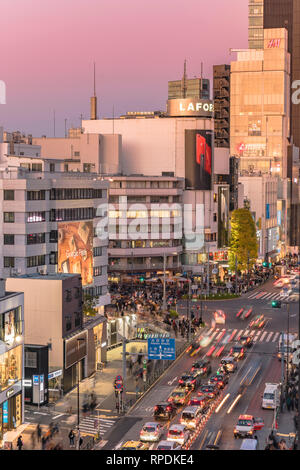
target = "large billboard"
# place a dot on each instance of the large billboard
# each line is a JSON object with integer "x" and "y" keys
{"x": 223, "y": 215}
{"x": 198, "y": 159}
{"x": 75, "y": 249}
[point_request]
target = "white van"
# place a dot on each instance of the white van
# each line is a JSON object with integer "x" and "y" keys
{"x": 271, "y": 396}
{"x": 190, "y": 417}
{"x": 249, "y": 444}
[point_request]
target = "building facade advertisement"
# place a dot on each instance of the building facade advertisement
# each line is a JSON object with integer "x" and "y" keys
{"x": 75, "y": 349}
{"x": 190, "y": 107}
{"x": 75, "y": 249}
{"x": 223, "y": 214}
{"x": 198, "y": 159}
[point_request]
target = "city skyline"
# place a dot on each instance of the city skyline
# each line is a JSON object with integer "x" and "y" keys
{"x": 141, "y": 53}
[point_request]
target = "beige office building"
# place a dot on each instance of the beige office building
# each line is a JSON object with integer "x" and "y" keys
{"x": 260, "y": 106}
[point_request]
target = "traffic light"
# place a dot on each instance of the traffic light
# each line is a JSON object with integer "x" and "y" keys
{"x": 142, "y": 279}
{"x": 265, "y": 264}
{"x": 276, "y": 304}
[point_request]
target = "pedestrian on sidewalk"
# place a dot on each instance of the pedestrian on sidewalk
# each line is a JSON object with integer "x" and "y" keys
{"x": 39, "y": 432}
{"x": 71, "y": 438}
{"x": 288, "y": 402}
{"x": 80, "y": 442}
{"x": 44, "y": 442}
{"x": 33, "y": 440}
{"x": 19, "y": 443}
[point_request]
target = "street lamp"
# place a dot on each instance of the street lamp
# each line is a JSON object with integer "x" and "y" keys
{"x": 78, "y": 381}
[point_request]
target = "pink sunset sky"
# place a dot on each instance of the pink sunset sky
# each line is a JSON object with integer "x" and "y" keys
{"x": 48, "y": 48}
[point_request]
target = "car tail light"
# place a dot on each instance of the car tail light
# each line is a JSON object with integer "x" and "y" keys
{"x": 156, "y": 408}
{"x": 193, "y": 381}
{"x": 169, "y": 408}
{"x": 193, "y": 368}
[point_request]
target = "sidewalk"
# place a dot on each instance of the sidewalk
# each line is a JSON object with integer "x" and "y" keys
{"x": 286, "y": 427}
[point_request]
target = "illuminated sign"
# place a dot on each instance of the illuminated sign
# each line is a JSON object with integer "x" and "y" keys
{"x": 10, "y": 393}
{"x": 190, "y": 107}
{"x": 54, "y": 374}
{"x": 274, "y": 43}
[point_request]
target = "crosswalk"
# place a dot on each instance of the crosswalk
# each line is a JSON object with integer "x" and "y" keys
{"x": 92, "y": 425}
{"x": 232, "y": 335}
{"x": 264, "y": 295}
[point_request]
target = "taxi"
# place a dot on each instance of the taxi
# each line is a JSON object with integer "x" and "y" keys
{"x": 258, "y": 322}
{"x": 247, "y": 425}
{"x": 135, "y": 445}
{"x": 180, "y": 396}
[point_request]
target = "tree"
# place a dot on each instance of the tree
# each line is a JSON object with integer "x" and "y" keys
{"x": 89, "y": 305}
{"x": 243, "y": 241}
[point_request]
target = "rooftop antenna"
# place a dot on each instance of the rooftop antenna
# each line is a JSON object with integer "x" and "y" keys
{"x": 94, "y": 98}
{"x": 201, "y": 81}
{"x": 183, "y": 81}
{"x": 65, "y": 127}
{"x": 54, "y": 122}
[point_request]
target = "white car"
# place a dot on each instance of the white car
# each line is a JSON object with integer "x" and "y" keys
{"x": 219, "y": 317}
{"x": 151, "y": 432}
{"x": 168, "y": 445}
{"x": 294, "y": 297}
{"x": 178, "y": 433}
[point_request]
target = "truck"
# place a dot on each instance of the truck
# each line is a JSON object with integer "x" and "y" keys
{"x": 271, "y": 396}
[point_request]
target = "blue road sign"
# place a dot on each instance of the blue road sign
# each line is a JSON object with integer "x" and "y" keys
{"x": 161, "y": 348}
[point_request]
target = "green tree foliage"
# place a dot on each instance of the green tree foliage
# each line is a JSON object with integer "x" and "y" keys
{"x": 89, "y": 305}
{"x": 243, "y": 241}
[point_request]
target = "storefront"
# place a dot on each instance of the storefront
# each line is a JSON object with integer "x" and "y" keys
{"x": 117, "y": 327}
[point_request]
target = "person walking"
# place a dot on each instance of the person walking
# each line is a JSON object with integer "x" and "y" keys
{"x": 39, "y": 432}
{"x": 288, "y": 402}
{"x": 44, "y": 442}
{"x": 32, "y": 440}
{"x": 19, "y": 443}
{"x": 71, "y": 438}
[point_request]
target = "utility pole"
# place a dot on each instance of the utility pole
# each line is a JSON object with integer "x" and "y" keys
{"x": 236, "y": 282}
{"x": 248, "y": 270}
{"x": 288, "y": 344}
{"x": 124, "y": 364}
{"x": 282, "y": 368}
{"x": 164, "y": 285}
{"x": 189, "y": 308}
{"x": 208, "y": 272}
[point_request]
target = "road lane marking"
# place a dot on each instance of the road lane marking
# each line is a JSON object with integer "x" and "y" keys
{"x": 253, "y": 377}
{"x": 203, "y": 440}
{"x": 245, "y": 375}
{"x": 262, "y": 336}
{"x": 58, "y": 416}
{"x": 222, "y": 403}
{"x": 275, "y": 337}
{"x": 268, "y": 338}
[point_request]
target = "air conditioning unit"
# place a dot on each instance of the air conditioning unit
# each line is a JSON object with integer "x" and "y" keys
{"x": 43, "y": 271}
{"x": 14, "y": 271}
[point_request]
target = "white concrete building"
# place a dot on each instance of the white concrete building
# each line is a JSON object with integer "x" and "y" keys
{"x": 49, "y": 222}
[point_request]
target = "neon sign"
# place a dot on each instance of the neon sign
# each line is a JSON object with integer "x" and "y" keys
{"x": 274, "y": 43}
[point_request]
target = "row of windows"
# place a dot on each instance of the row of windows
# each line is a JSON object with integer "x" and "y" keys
{"x": 144, "y": 184}
{"x": 141, "y": 199}
{"x": 40, "y": 260}
{"x": 80, "y": 213}
{"x": 76, "y": 193}
{"x": 58, "y": 194}
{"x": 144, "y": 214}
{"x": 143, "y": 243}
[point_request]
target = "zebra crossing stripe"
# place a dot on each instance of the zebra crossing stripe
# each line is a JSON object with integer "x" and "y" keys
{"x": 267, "y": 295}
{"x": 220, "y": 334}
{"x": 275, "y": 337}
{"x": 256, "y": 337}
{"x": 268, "y": 338}
{"x": 262, "y": 336}
{"x": 210, "y": 331}
{"x": 214, "y": 334}
{"x": 261, "y": 294}
{"x": 252, "y": 296}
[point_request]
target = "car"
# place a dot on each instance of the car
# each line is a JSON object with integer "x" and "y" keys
{"x": 168, "y": 445}
{"x": 246, "y": 341}
{"x": 135, "y": 445}
{"x": 211, "y": 390}
{"x": 220, "y": 379}
{"x": 247, "y": 425}
{"x": 258, "y": 322}
{"x": 193, "y": 349}
{"x": 180, "y": 396}
{"x": 228, "y": 364}
{"x": 151, "y": 432}
{"x": 202, "y": 401}
{"x": 279, "y": 283}
{"x": 190, "y": 381}
{"x": 219, "y": 317}
{"x": 164, "y": 411}
{"x": 178, "y": 433}
{"x": 202, "y": 367}
{"x": 237, "y": 351}
{"x": 294, "y": 297}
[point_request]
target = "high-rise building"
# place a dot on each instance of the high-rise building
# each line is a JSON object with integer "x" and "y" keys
{"x": 221, "y": 95}
{"x": 197, "y": 87}
{"x": 286, "y": 14}
{"x": 256, "y": 24}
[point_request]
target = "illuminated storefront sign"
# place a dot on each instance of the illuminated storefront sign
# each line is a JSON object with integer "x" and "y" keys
{"x": 274, "y": 43}
{"x": 53, "y": 375}
{"x": 190, "y": 107}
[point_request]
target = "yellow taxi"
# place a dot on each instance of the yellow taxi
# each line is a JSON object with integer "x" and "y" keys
{"x": 135, "y": 445}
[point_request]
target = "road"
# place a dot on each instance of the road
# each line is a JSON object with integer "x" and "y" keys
{"x": 259, "y": 366}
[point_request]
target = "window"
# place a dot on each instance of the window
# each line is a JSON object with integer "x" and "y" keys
{"x": 75, "y": 193}
{"x": 36, "y": 195}
{"x": 215, "y": 217}
{"x": 53, "y": 257}
{"x": 66, "y": 167}
{"x": 31, "y": 359}
{"x": 9, "y": 195}
{"x": 68, "y": 295}
{"x": 35, "y": 238}
{"x": 97, "y": 271}
{"x": 8, "y": 262}
{"x": 87, "y": 167}
{"x": 9, "y": 217}
{"x": 36, "y": 217}
{"x": 33, "y": 261}
{"x": 37, "y": 167}
{"x": 9, "y": 239}
{"x": 53, "y": 236}
{"x": 97, "y": 251}
{"x": 80, "y": 213}
{"x": 76, "y": 154}
{"x": 68, "y": 324}
{"x": 77, "y": 319}
{"x": 52, "y": 167}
